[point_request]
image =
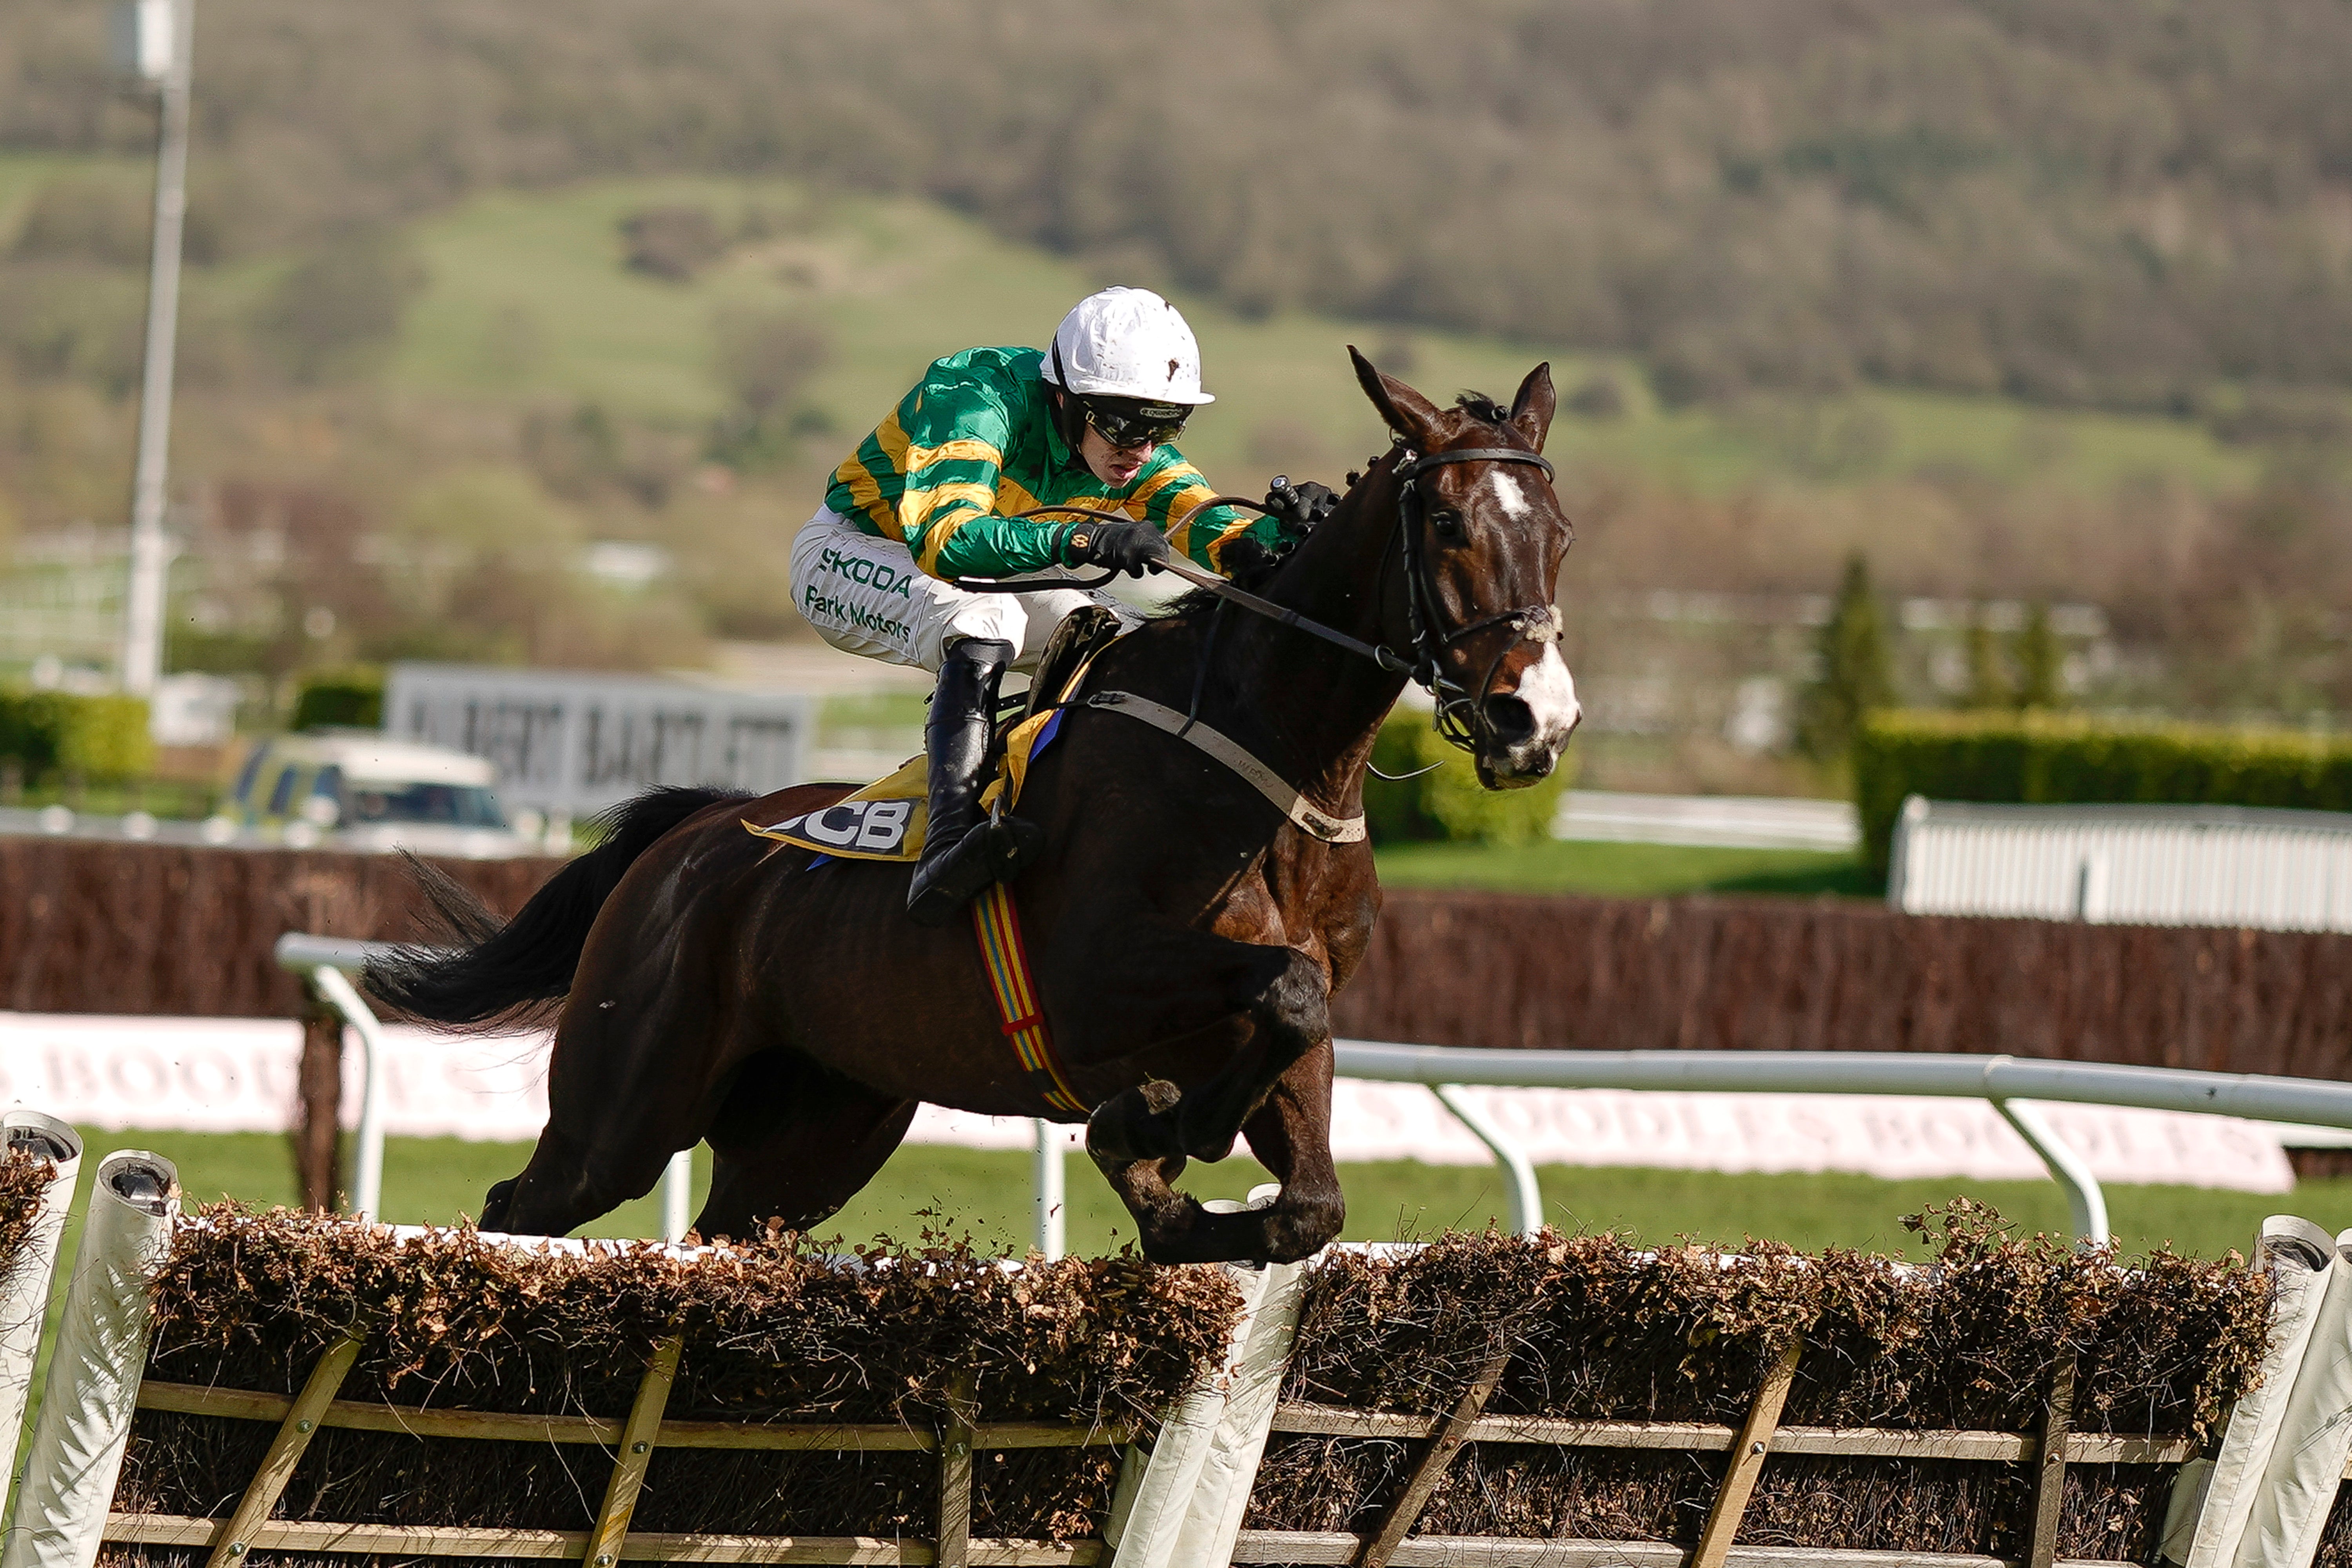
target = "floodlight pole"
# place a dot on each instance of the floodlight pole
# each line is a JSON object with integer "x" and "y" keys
{"x": 150, "y": 560}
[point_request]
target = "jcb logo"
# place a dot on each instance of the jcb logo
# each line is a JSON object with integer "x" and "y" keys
{"x": 867, "y": 826}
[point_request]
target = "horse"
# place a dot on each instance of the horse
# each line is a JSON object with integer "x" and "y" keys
{"x": 1187, "y": 934}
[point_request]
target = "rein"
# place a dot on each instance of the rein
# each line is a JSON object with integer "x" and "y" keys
{"x": 1423, "y": 613}
{"x": 1176, "y": 565}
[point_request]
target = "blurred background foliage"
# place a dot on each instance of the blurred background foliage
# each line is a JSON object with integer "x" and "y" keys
{"x": 524, "y": 333}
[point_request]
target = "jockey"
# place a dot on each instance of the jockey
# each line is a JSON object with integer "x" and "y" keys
{"x": 928, "y": 499}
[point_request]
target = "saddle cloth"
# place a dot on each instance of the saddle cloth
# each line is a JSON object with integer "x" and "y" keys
{"x": 886, "y": 819}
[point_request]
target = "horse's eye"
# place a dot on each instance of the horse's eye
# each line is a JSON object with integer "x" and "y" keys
{"x": 1447, "y": 523}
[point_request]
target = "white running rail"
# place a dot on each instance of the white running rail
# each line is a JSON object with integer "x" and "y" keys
{"x": 2005, "y": 1082}
{"x": 2010, "y": 1084}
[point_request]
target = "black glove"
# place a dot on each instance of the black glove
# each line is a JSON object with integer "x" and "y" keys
{"x": 1133, "y": 548}
{"x": 1301, "y": 505}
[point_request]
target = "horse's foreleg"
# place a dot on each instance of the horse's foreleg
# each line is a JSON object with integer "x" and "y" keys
{"x": 1287, "y": 1013}
{"x": 1291, "y": 1134}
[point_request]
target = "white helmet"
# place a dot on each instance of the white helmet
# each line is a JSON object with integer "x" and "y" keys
{"x": 1127, "y": 342}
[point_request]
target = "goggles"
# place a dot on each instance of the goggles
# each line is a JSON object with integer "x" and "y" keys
{"x": 1126, "y": 422}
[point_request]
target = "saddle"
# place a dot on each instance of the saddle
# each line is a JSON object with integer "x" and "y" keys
{"x": 885, "y": 820}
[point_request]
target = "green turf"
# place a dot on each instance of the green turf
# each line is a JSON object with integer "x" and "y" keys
{"x": 1623, "y": 871}
{"x": 987, "y": 1194}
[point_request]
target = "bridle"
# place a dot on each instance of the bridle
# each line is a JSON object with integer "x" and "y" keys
{"x": 1424, "y": 615}
{"x": 1529, "y": 623}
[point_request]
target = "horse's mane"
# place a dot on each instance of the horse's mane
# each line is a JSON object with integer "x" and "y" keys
{"x": 1200, "y": 602}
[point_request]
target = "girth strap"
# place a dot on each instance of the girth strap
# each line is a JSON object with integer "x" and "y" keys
{"x": 1321, "y": 825}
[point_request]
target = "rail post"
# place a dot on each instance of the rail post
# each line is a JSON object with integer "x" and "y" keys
{"x": 367, "y": 1157}
{"x": 2086, "y": 1204}
{"x": 677, "y": 1195}
{"x": 1053, "y": 1192}
{"x": 1526, "y": 1196}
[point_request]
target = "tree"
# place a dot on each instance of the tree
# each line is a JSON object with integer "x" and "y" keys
{"x": 1988, "y": 683}
{"x": 338, "y": 313}
{"x": 766, "y": 359}
{"x": 2041, "y": 662}
{"x": 1856, "y": 672}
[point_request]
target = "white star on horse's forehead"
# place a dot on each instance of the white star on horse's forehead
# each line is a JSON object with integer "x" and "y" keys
{"x": 1516, "y": 505}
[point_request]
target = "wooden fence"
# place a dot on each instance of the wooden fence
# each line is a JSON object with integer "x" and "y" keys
{"x": 94, "y": 927}
{"x": 1786, "y": 975}
{"x": 249, "y": 1527}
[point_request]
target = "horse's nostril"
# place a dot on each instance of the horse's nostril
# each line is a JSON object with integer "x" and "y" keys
{"x": 1509, "y": 720}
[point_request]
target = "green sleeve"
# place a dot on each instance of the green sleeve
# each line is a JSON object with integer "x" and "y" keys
{"x": 980, "y": 544}
{"x": 1167, "y": 495}
{"x": 954, "y": 437}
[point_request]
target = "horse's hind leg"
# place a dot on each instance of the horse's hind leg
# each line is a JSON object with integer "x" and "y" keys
{"x": 794, "y": 1143}
{"x": 633, "y": 1079}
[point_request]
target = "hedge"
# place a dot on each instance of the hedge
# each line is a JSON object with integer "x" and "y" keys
{"x": 56, "y": 733}
{"x": 351, "y": 698}
{"x": 2053, "y": 758}
{"x": 1448, "y": 801}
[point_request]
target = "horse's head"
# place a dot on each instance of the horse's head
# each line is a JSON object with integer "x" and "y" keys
{"x": 1481, "y": 538}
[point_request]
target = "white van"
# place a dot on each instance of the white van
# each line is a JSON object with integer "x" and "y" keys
{"x": 356, "y": 789}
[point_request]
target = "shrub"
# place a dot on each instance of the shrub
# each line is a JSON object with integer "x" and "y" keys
{"x": 54, "y": 733}
{"x": 2046, "y": 758}
{"x": 672, "y": 242}
{"x": 1448, "y": 802}
{"x": 352, "y": 698}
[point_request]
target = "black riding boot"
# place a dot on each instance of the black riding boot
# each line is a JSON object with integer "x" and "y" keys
{"x": 961, "y": 853}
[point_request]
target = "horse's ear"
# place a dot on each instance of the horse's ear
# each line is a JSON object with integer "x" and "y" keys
{"x": 1532, "y": 410}
{"x": 1407, "y": 412}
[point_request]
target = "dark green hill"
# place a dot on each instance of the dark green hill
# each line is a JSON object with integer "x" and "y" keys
{"x": 2113, "y": 202}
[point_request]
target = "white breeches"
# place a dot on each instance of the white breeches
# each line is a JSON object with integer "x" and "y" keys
{"x": 866, "y": 595}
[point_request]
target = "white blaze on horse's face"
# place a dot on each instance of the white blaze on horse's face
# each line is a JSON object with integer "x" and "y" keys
{"x": 1524, "y": 737}
{"x": 1549, "y": 691}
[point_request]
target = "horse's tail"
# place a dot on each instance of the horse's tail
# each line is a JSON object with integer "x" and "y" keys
{"x": 512, "y": 972}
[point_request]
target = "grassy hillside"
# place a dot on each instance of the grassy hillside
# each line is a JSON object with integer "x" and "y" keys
{"x": 500, "y": 359}
{"x": 528, "y": 296}
{"x": 2127, "y": 202}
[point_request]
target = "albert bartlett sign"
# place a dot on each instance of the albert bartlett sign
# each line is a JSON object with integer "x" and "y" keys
{"x": 571, "y": 744}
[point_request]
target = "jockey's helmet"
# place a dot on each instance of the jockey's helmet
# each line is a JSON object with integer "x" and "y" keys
{"x": 1131, "y": 343}
{"x": 1128, "y": 365}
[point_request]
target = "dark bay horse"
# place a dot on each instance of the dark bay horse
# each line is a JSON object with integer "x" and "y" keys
{"x": 1187, "y": 937}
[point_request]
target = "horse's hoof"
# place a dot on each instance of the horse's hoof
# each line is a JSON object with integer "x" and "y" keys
{"x": 494, "y": 1205}
{"x": 1125, "y": 1128}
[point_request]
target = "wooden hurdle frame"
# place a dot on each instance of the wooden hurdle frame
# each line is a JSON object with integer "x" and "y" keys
{"x": 1759, "y": 1436}
{"x": 609, "y": 1541}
